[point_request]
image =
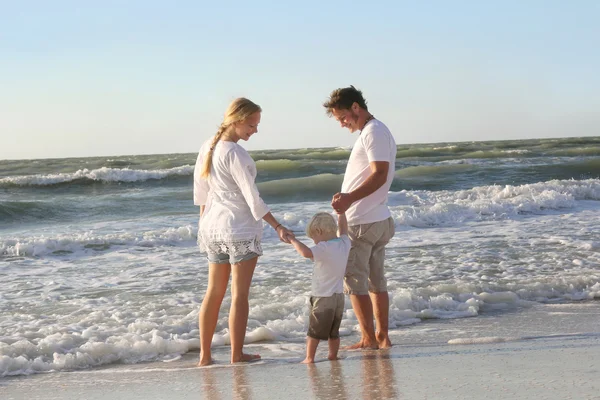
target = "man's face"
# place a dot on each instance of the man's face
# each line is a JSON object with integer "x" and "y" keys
{"x": 346, "y": 118}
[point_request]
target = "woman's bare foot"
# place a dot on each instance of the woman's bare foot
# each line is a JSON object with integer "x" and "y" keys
{"x": 308, "y": 361}
{"x": 246, "y": 358}
{"x": 204, "y": 363}
{"x": 332, "y": 358}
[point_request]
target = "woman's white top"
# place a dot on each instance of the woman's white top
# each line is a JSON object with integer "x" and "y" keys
{"x": 232, "y": 219}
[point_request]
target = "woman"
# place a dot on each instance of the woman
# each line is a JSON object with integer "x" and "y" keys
{"x": 231, "y": 214}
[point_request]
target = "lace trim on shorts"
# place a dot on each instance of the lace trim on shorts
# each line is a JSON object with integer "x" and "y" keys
{"x": 233, "y": 247}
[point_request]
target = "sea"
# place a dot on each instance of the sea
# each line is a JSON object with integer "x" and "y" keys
{"x": 99, "y": 264}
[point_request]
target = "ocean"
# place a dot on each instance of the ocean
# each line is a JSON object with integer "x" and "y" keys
{"x": 99, "y": 264}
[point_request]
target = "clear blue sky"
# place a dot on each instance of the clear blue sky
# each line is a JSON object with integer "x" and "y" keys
{"x": 84, "y": 78}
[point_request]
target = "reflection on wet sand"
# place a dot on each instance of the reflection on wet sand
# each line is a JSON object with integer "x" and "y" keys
{"x": 363, "y": 375}
{"x": 327, "y": 382}
{"x": 378, "y": 377}
{"x": 241, "y": 386}
{"x": 212, "y": 387}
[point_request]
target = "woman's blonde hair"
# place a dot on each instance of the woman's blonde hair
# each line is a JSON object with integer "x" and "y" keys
{"x": 239, "y": 109}
{"x": 322, "y": 221}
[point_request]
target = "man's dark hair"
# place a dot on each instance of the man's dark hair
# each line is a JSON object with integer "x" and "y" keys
{"x": 343, "y": 98}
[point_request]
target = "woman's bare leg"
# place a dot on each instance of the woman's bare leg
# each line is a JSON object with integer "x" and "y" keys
{"x": 218, "y": 277}
{"x": 241, "y": 278}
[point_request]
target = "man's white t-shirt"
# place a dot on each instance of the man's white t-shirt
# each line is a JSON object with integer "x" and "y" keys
{"x": 375, "y": 143}
{"x": 330, "y": 259}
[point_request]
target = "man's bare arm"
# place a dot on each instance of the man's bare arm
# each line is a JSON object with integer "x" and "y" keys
{"x": 378, "y": 177}
{"x": 379, "y": 172}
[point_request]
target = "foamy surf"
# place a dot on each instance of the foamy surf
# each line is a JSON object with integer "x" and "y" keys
{"x": 493, "y": 339}
{"x": 99, "y": 263}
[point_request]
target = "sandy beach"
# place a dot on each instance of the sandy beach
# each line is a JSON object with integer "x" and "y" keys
{"x": 140, "y": 136}
{"x": 544, "y": 352}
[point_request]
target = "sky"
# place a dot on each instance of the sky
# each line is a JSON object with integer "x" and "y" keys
{"x": 95, "y": 78}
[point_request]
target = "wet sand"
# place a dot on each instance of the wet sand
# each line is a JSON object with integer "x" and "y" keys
{"x": 547, "y": 352}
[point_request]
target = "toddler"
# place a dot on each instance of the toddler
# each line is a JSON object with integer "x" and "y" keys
{"x": 330, "y": 255}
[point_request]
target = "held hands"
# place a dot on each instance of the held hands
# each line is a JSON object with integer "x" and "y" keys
{"x": 285, "y": 235}
{"x": 341, "y": 202}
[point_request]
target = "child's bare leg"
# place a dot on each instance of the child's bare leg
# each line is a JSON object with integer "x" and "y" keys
{"x": 334, "y": 346}
{"x": 311, "y": 350}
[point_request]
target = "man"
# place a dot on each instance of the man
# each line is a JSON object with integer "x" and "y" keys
{"x": 363, "y": 198}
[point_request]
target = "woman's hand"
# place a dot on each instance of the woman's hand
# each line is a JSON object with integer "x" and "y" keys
{"x": 285, "y": 234}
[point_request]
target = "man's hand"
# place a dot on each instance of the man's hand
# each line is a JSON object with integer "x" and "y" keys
{"x": 341, "y": 202}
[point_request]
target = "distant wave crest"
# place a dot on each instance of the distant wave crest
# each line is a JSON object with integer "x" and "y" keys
{"x": 419, "y": 209}
{"x": 97, "y": 175}
{"x": 39, "y": 246}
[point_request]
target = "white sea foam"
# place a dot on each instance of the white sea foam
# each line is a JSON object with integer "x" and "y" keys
{"x": 89, "y": 241}
{"x": 409, "y": 208}
{"x": 516, "y": 151}
{"x": 101, "y": 174}
{"x": 484, "y": 340}
{"x": 130, "y": 290}
{"x": 424, "y": 208}
{"x": 499, "y": 339}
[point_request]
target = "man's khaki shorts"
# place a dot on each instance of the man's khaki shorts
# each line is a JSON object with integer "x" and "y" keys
{"x": 325, "y": 317}
{"x": 364, "y": 272}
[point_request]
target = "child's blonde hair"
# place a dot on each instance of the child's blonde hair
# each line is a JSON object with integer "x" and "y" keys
{"x": 322, "y": 221}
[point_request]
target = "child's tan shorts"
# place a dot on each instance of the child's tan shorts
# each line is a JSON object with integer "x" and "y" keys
{"x": 325, "y": 317}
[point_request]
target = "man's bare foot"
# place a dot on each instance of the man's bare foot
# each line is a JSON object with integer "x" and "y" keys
{"x": 383, "y": 340}
{"x": 363, "y": 344}
{"x": 332, "y": 358}
{"x": 246, "y": 358}
{"x": 308, "y": 361}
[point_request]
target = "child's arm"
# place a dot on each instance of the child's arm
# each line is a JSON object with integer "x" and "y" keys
{"x": 301, "y": 248}
{"x": 342, "y": 224}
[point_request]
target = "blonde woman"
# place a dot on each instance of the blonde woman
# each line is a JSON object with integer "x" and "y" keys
{"x": 231, "y": 214}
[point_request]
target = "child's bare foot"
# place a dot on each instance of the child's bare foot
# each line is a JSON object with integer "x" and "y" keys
{"x": 308, "y": 361}
{"x": 246, "y": 358}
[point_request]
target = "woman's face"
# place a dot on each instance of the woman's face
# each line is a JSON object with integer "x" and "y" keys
{"x": 248, "y": 127}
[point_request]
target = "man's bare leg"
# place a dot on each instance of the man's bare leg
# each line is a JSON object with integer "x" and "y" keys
{"x": 363, "y": 308}
{"x": 381, "y": 307}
